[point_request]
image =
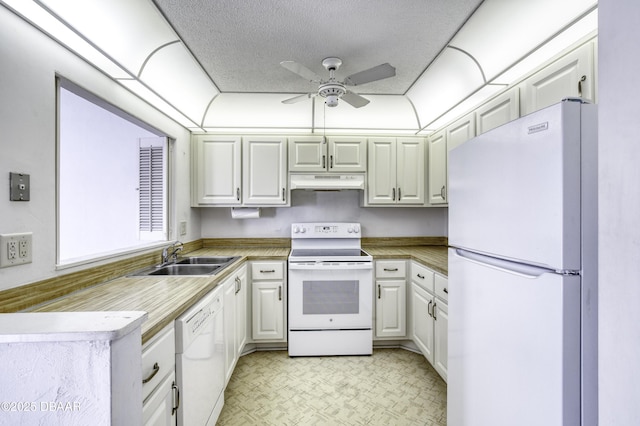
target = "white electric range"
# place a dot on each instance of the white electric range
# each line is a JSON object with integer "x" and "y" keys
{"x": 330, "y": 291}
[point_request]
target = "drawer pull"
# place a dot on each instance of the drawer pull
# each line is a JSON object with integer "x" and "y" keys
{"x": 420, "y": 276}
{"x": 267, "y": 271}
{"x": 391, "y": 269}
{"x": 156, "y": 368}
{"x": 445, "y": 290}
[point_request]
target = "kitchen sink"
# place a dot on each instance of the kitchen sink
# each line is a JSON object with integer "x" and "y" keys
{"x": 195, "y": 265}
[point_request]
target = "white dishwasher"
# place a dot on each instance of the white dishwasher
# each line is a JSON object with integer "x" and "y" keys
{"x": 200, "y": 361}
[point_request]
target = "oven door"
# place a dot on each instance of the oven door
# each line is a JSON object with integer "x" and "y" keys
{"x": 330, "y": 295}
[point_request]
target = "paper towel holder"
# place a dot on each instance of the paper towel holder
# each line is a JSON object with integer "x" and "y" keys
{"x": 245, "y": 212}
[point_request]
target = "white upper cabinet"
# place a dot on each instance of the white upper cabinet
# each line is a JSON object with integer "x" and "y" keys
{"x": 396, "y": 171}
{"x": 570, "y": 76}
{"x": 335, "y": 154}
{"x": 217, "y": 171}
{"x": 438, "y": 168}
{"x": 236, "y": 171}
{"x": 498, "y": 111}
{"x": 264, "y": 175}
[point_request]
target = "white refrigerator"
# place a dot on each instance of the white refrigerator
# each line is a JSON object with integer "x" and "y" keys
{"x": 523, "y": 272}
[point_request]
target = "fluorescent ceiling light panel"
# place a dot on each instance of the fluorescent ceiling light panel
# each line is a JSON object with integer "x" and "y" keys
{"x": 581, "y": 30}
{"x": 451, "y": 77}
{"x": 500, "y": 33}
{"x": 253, "y": 110}
{"x": 127, "y": 30}
{"x": 139, "y": 89}
{"x": 385, "y": 112}
{"x": 256, "y": 130}
{"x": 65, "y": 36}
{"x": 177, "y": 77}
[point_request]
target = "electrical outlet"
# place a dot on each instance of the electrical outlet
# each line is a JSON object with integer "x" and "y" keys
{"x": 15, "y": 249}
{"x": 183, "y": 227}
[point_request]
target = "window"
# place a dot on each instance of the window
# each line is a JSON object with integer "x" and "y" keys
{"x": 112, "y": 179}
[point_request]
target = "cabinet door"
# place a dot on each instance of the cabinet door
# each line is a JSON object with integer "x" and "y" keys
{"x": 157, "y": 410}
{"x": 438, "y": 168}
{"x": 268, "y": 310}
{"x": 423, "y": 329}
{"x": 391, "y": 308}
{"x": 229, "y": 311}
{"x": 410, "y": 174}
{"x": 498, "y": 111}
{"x": 381, "y": 176}
{"x": 217, "y": 170}
{"x": 570, "y": 76}
{"x": 307, "y": 154}
{"x": 241, "y": 310}
{"x": 347, "y": 154}
{"x": 441, "y": 344}
{"x": 264, "y": 176}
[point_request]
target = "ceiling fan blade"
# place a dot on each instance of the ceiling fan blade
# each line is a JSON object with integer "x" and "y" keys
{"x": 297, "y": 99}
{"x": 301, "y": 70}
{"x": 354, "y": 99}
{"x": 372, "y": 74}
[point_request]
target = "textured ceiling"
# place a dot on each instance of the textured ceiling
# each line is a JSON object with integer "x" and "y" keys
{"x": 240, "y": 43}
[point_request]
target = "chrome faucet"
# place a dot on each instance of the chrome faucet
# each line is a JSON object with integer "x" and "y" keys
{"x": 175, "y": 248}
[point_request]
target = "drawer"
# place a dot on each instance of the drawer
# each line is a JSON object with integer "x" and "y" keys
{"x": 267, "y": 270}
{"x": 442, "y": 287}
{"x": 391, "y": 268}
{"x": 422, "y": 276}
{"x": 160, "y": 351}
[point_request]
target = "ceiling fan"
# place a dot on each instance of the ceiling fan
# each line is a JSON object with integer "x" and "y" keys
{"x": 332, "y": 89}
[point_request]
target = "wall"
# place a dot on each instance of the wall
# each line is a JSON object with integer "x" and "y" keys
{"x": 28, "y": 67}
{"x": 619, "y": 212}
{"x": 310, "y": 206}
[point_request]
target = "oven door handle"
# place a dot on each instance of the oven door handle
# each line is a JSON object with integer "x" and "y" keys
{"x": 324, "y": 266}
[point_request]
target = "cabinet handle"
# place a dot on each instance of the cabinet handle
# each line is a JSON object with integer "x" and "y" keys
{"x": 331, "y": 161}
{"x": 391, "y": 269}
{"x": 379, "y": 291}
{"x": 435, "y": 318}
{"x": 442, "y": 192}
{"x": 399, "y": 195}
{"x": 176, "y": 398}
{"x": 393, "y": 194}
{"x": 283, "y": 194}
{"x": 420, "y": 276}
{"x": 445, "y": 290}
{"x": 429, "y": 308}
{"x": 279, "y": 292}
{"x": 267, "y": 271}
{"x": 583, "y": 78}
{"x": 238, "y": 194}
{"x": 324, "y": 161}
{"x": 238, "y": 285}
{"x": 156, "y": 368}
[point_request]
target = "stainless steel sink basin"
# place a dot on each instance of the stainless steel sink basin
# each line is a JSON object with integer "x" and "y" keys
{"x": 206, "y": 260}
{"x": 195, "y": 265}
{"x": 176, "y": 269}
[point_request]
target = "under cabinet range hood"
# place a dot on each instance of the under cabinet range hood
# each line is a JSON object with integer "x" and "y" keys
{"x": 326, "y": 181}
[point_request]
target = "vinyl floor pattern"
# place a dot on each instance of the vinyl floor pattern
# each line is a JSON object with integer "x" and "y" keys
{"x": 391, "y": 387}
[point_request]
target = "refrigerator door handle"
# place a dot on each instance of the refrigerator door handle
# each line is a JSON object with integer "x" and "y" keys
{"x": 508, "y": 266}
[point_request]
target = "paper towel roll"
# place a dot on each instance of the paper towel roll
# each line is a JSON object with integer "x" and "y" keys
{"x": 245, "y": 212}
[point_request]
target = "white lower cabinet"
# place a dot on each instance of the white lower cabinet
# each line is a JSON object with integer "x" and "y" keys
{"x": 391, "y": 298}
{"x": 268, "y": 301}
{"x": 429, "y": 312}
{"x": 159, "y": 391}
{"x": 234, "y": 307}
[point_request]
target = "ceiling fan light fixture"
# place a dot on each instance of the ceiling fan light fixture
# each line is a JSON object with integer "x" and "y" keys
{"x": 331, "y": 92}
{"x": 331, "y": 101}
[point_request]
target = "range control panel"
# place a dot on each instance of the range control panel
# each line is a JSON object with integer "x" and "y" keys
{"x": 325, "y": 230}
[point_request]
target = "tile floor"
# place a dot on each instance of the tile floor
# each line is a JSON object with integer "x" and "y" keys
{"x": 391, "y": 387}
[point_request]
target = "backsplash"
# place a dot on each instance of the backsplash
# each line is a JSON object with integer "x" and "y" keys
{"x": 330, "y": 206}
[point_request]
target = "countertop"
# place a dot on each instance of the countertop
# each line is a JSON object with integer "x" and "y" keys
{"x": 165, "y": 298}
